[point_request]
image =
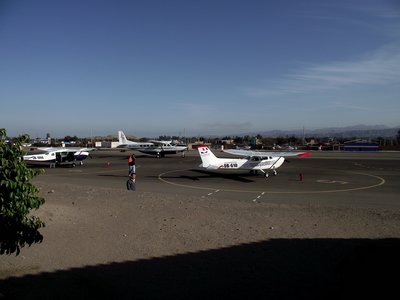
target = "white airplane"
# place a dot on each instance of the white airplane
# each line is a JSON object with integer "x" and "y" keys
{"x": 159, "y": 148}
{"x": 253, "y": 161}
{"x": 54, "y": 156}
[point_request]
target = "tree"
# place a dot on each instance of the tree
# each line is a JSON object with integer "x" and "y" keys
{"x": 238, "y": 140}
{"x": 18, "y": 197}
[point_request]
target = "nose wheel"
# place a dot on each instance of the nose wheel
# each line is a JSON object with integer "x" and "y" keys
{"x": 266, "y": 174}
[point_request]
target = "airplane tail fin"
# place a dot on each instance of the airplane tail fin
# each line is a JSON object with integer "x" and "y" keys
{"x": 207, "y": 157}
{"x": 122, "y": 138}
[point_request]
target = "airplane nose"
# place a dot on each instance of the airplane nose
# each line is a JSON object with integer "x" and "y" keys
{"x": 279, "y": 162}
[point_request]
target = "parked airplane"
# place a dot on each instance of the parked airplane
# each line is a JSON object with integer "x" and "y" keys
{"x": 57, "y": 156}
{"x": 253, "y": 161}
{"x": 159, "y": 148}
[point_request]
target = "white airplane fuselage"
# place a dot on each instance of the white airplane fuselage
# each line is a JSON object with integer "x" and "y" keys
{"x": 164, "y": 148}
{"x": 50, "y": 156}
{"x": 251, "y": 163}
{"x": 40, "y": 158}
{"x": 159, "y": 148}
{"x": 248, "y": 164}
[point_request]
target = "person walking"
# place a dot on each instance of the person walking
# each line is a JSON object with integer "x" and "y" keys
{"x": 131, "y": 164}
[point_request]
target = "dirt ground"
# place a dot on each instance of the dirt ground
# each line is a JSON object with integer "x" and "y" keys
{"x": 101, "y": 242}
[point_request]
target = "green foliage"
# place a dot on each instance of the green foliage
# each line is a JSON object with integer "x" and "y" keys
{"x": 18, "y": 196}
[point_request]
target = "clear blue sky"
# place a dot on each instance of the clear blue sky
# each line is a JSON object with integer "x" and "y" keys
{"x": 216, "y": 67}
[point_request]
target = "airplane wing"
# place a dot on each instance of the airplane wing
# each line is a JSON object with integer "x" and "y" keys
{"x": 250, "y": 153}
{"x": 81, "y": 149}
{"x": 159, "y": 142}
{"x": 65, "y": 149}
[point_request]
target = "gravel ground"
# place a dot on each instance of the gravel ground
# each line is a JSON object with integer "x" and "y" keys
{"x": 106, "y": 242}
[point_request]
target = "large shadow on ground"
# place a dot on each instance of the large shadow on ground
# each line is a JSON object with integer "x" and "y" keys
{"x": 276, "y": 269}
{"x": 197, "y": 175}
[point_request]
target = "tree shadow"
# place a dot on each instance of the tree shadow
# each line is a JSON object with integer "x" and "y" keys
{"x": 274, "y": 269}
{"x": 14, "y": 236}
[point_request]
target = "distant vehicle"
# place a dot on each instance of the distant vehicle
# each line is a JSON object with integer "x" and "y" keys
{"x": 153, "y": 147}
{"x": 243, "y": 147}
{"x": 52, "y": 156}
{"x": 253, "y": 161}
{"x": 286, "y": 147}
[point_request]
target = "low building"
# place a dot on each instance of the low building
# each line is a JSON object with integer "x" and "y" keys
{"x": 360, "y": 146}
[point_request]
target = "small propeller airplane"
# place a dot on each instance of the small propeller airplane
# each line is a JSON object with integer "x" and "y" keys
{"x": 57, "y": 156}
{"x": 253, "y": 161}
{"x": 159, "y": 148}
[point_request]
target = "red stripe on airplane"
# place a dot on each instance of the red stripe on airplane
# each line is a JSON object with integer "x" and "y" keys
{"x": 305, "y": 154}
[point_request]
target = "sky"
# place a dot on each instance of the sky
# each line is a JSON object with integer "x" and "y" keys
{"x": 204, "y": 67}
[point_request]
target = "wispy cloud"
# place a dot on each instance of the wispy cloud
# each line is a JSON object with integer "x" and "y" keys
{"x": 382, "y": 11}
{"x": 376, "y": 69}
{"x": 340, "y": 12}
{"x": 347, "y": 106}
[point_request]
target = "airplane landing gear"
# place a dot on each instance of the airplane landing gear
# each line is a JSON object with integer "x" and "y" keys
{"x": 275, "y": 173}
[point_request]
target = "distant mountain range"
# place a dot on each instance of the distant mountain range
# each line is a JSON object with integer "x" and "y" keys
{"x": 358, "y": 131}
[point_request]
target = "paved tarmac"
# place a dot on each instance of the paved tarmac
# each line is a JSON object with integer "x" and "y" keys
{"x": 363, "y": 180}
{"x": 189, "y": 234}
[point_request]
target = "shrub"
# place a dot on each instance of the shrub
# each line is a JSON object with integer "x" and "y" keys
{"x": 18, "y": 197}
